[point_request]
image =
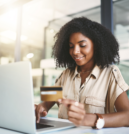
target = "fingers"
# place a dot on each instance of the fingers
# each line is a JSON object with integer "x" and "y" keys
{"x": 76, "y": 112}
{"x": 76, "y": 122}
{"x": 35, "y": 106}
{"x": 74, "y": 115}
{"x": 76, "y": 109}
{"x": 68, "y": 102}
{"x": 40, "y": 111}
{"x": 44, "y": 113}
{"x": 37, "y": 115}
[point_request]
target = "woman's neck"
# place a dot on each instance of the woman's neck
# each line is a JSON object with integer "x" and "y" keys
{"x": 87, "y": 67}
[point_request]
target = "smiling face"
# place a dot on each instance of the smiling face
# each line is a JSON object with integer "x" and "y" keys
{"x": 81, "y": 49}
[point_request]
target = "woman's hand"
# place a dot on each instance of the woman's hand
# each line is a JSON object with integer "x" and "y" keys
{"x": 76, "y": 112}
{"x": 40, "y": 111}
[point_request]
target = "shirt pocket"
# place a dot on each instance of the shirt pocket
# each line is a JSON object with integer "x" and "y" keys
{"x": 94, "y": 105}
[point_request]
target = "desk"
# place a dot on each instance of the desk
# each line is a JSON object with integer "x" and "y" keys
{"x": 79, "y": 130}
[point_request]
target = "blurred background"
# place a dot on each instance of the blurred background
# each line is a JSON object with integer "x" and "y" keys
{"x": 27, "y": 29}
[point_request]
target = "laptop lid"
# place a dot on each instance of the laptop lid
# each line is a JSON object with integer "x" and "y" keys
{"x": 16, "y": 94}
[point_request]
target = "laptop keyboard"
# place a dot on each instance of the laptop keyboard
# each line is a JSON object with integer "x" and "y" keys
{"x": 40, "y": 126}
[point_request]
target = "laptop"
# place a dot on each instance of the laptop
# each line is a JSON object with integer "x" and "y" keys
{"x": 17, "y": 103}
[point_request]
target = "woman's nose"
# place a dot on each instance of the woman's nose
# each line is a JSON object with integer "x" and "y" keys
{"x": 76, "y": 50}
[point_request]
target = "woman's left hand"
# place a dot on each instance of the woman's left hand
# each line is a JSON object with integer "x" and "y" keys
{"x": 76, "y": 112}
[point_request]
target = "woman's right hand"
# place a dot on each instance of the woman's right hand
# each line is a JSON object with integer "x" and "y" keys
{"x": 40, "y": 111}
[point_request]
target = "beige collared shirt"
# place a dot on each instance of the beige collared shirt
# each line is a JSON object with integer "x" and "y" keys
{"x": 98, "y": 93}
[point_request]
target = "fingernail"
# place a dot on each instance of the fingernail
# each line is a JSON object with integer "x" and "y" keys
{"x": 76, "y": 103}
{"x": 59, "y": 100}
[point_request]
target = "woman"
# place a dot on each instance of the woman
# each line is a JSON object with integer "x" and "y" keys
{"x": 93, "y": 86}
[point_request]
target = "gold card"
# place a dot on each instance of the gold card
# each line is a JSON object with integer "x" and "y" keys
{"x": 52, "y": 93}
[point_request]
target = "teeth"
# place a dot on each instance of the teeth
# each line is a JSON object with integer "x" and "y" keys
{"x": 78, "y": 57}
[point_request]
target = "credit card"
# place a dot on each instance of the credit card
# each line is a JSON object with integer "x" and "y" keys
{"x": 52, "y": 93}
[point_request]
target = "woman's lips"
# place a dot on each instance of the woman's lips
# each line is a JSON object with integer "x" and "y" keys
{"x": 78, "y": 58}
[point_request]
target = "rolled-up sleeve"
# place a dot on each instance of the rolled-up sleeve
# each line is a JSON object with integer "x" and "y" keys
{"x": 117, "y": 86}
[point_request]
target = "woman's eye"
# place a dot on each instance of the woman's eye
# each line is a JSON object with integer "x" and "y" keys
{"x": 70, "y": 46}
{"x": 82, "y": 45}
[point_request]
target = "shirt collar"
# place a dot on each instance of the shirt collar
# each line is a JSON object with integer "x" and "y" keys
{"x": 95, "y": 72}
{"x": 75, "y": 72}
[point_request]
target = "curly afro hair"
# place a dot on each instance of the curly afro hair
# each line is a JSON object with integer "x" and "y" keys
{"x": 105, "y": 45}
